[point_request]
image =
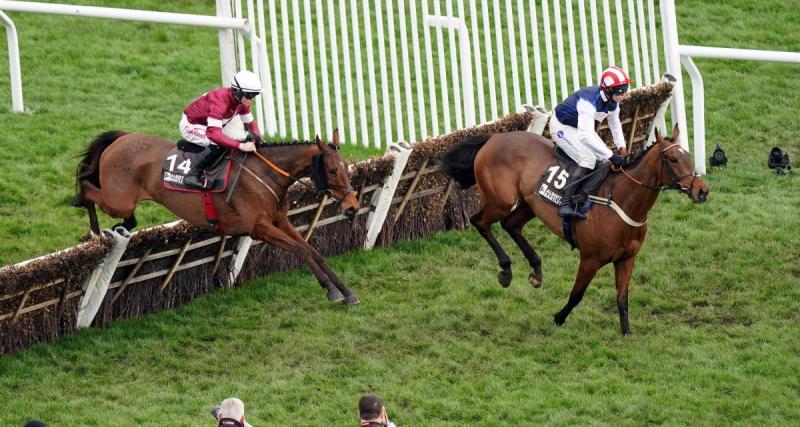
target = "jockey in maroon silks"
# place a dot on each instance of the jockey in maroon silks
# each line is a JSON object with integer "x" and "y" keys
{"x": 203, "y": 119}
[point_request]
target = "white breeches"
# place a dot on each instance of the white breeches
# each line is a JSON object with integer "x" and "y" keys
{"x": 196, "y": 134}
{"x": 583, "y": 149}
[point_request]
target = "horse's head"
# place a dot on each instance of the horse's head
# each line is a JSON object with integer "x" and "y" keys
{"x": 330, "y": 174}
{"x": 677, "y": 168}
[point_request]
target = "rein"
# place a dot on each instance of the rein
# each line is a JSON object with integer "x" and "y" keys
{"x": 294, "y": 179}
{"x": 676, "y": 184}
{"x": 676, "y": 180}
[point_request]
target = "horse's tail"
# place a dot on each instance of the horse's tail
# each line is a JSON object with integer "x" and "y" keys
{"x": 89, "y": 167}
{"x": 459, "y": 160}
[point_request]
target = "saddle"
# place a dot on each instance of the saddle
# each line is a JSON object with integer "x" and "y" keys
{"x": 551, "y": 188}
{"x": 179, "y": 161}
{"x": 551, "y": 184}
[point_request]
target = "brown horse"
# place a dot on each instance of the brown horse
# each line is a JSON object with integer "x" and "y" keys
{"x": 121, "y": 169}
{"x": 507, "y": 168}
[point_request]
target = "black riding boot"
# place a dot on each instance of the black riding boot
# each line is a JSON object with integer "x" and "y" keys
{"x": 567, "y": 209}
{"x": 207, "y": 158}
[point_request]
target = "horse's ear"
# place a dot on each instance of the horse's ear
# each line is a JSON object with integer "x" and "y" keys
{"x": 336, "y": 137}
{"x": 320, "y": 144}
{"x": 675, "y": 133}
{"x": 658, "y": 136}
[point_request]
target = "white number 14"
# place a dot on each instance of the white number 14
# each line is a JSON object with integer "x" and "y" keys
{"x": 184, "y": 166}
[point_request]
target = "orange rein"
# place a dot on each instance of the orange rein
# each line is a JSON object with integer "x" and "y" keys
{"x": 636, "y": 180}
{"x": 272, "y": 165}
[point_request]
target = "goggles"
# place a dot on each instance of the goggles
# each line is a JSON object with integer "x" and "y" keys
{"x": 619, "y": 90}
{"x": 250, "y": 95}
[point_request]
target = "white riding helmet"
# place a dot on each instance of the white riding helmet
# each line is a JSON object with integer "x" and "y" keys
{"x": 246, "y": 83}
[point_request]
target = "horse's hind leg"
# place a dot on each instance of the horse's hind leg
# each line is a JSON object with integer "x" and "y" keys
{"x": 513, "y": 224}
{"x": 483, "y": 221}
{"x": 94, "y": 226}
{"x": 115, "y": 207}
{"x": 586, "y": 272}
{"x": 90, "y": 196}
{"x": 129, "y": 223}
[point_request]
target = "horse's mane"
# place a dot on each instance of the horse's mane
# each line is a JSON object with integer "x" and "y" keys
{"x": 287, "y": 143}
{"x": 633, "y": 162}
{"x": 294, "y": 143}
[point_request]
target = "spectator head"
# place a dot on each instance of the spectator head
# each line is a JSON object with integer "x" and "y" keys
{"x": 232, "y": 408}
{"x": 370, "y": 407}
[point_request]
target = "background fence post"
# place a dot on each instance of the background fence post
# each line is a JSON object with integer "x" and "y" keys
{"x": 242, "y": 248}
{"x": 96, "y": 286}
{"x": 382, "y": 198}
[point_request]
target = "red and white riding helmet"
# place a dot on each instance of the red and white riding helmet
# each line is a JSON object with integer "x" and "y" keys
{"x": 614, "y": 80}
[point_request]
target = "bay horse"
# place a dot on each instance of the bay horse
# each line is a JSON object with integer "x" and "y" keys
{"x": 507, "y": 168}
{"x": 121, "y": 169}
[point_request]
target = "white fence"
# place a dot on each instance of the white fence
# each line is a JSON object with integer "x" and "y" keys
{"x": 380, "y": 72}
{"x": 398, "y": 70}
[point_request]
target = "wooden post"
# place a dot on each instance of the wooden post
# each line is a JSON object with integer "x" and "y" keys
{"x": 133, "y": 272}
{"x": 175, "y": 266}
{"x": 358, "y": 198}
{"x": 219, "y": 254}
{"x": 21, "y": 304}
{"x": 633, "y": 127}
{"x": 316, "y": 217}
{"x": 447, "y": 191}
{"x": 410, "y": 190}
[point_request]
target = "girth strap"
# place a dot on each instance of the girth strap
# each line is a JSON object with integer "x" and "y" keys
{"x": 211, "y": 211}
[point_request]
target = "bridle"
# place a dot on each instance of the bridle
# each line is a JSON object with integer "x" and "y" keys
{"x": 676, "y": 179}
{"x": 321, "y": 188}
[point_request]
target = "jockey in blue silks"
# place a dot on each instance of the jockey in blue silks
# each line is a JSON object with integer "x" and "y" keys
{"x": 572, "y": 128}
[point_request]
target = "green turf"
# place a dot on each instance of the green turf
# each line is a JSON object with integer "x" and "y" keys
{"x": 713, "y": 304}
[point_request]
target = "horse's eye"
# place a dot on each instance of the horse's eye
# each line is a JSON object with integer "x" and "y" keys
{"x": 673, "y": 160}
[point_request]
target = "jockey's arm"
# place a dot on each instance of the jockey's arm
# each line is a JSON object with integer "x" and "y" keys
{"x": 586, "y": 131}
{"x": 215, "y": 135}
{"x": 251, "y": 126}
{"x": 616, "y": 129}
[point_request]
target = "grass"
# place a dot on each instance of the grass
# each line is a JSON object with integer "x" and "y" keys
{"x": 445, "y": 345}
{"x": 714, "y": 297}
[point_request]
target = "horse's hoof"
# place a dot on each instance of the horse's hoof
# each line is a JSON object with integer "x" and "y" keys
{"x": 504, "y": 277}
{"x": 351, "y": 299}
{"x": 334, "y": 295}
{"x": 534, "y": 280}
{"x": 558, "y": 320}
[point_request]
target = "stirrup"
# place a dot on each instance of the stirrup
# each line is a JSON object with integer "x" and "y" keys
{"x": 571, "y": 213}
{"x": 195, "y": 181}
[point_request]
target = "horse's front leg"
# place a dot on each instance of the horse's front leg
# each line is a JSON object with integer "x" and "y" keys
{"x": 349, "y": 297}
{"x": 513, "y": 224}
{"x": 267, "y": 232}
{"x": 586, "y": 271}
{"x": 623, "y": 269}
{"x": 483, "y": 221}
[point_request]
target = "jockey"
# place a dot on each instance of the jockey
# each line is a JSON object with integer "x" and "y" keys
{"x": 572, "y": 128}
{"x": 203, "y": 119}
